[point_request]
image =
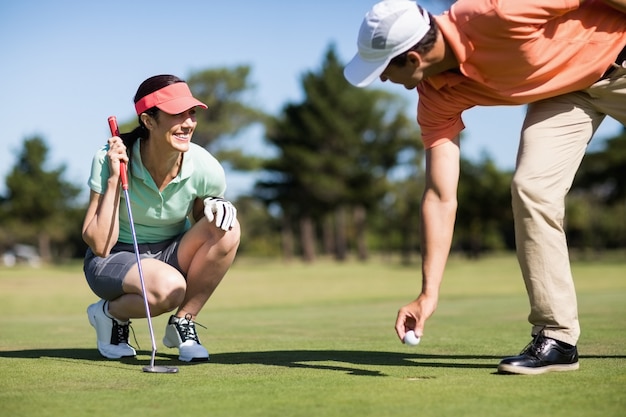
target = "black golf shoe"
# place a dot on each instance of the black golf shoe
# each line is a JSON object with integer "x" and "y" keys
{"x": 542, "y": 355}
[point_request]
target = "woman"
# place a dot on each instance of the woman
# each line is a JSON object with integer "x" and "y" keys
{"x": 187, "y": 233}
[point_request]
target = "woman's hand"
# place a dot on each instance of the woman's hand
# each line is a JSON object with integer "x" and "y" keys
{"x": 116, "y": 154}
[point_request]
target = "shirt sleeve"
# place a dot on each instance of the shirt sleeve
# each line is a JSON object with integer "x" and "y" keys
{"x": 438, "y": 116}
{"x": 99, "y": 171}
{"x": 209, "y": 173}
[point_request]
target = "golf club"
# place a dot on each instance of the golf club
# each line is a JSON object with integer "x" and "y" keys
{"x": 124, "y": 177}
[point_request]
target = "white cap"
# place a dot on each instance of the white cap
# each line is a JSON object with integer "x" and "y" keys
{"x": 389, "y": 29}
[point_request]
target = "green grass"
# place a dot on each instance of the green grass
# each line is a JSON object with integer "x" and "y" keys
{"x": 297, "y": 340}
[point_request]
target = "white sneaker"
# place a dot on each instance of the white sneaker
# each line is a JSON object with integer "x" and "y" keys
{"x": 111, "y": 333}
{"x": 181, "y": 333}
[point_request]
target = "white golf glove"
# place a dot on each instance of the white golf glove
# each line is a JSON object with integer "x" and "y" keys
{"x": 220, "y": 210}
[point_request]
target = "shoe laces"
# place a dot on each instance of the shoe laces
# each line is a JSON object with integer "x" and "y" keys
{"x": 120, "y": 332}
{"x": 187, "y": 328}
{"x": 536, "y": 345}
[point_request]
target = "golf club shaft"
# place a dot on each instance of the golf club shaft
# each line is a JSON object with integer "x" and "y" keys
{"x": 124, "y": 177}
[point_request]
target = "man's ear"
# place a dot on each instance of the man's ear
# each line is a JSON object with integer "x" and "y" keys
{"x": 414, "y": 58}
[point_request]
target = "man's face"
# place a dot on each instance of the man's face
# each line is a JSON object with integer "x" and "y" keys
{"x": 408, "y": 75}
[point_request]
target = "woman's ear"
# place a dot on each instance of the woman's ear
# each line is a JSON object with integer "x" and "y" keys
{"x": 147, "y": 121}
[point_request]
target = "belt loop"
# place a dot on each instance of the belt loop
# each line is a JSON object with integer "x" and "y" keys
{"x": 619, "y": 63}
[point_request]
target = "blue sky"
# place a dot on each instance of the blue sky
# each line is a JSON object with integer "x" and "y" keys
{"x": 68, "y": 65}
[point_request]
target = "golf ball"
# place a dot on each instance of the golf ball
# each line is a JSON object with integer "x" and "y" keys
{"x": 411, "y": 339}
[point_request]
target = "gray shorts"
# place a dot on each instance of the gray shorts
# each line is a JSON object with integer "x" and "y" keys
{"x": 105, "y": 276}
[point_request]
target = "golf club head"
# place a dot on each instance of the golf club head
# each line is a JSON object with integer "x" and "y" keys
{"x": 160, "y": 369}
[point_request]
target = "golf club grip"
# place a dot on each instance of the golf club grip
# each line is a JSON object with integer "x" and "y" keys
{"x": 115, "y": 131}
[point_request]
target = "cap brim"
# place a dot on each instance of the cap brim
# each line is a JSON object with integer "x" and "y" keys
{"x": 361, "y": 73}
{"x": 180, "y": 104}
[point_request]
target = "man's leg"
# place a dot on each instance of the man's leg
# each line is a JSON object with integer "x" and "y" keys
{"x": 553, "y": 142}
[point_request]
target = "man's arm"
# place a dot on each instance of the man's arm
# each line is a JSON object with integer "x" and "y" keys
{"x": 439, "y": 206}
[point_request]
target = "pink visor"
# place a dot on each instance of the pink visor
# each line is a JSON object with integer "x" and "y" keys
{"x": 173, "y": 99}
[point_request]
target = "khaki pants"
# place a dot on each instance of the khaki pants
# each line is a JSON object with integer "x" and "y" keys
{"x": 554, "y": 138}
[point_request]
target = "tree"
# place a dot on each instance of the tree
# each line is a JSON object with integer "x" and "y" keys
{"x": 38, "y": 200}
{"x": 484, "y": 218}
{"x": 262, "y": 231}
{"x": 335, "y": 150}
{"x": 602, "y": 172}
{"x": 225, "y": 91}
{"x": 596, "y": 206}
{"x": 396, "y": 220}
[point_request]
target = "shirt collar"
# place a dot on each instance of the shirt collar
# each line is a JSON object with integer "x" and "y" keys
{"x": 139, "y": 170}
{"x": 444, "y": 79}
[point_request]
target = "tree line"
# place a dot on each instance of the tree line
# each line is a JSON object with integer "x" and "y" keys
{"x": 345, "y": 179}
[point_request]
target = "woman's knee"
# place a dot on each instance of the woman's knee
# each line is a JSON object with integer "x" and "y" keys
{"x": 219, "y": 242}
{"x": 167, "y": 291}
{"x": 164, "y": 284}
{"x": 230, "y": 241}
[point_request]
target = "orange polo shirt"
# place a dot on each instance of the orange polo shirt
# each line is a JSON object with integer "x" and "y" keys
{"x": 516, "y": 52}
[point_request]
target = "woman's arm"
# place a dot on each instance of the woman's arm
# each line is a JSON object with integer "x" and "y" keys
{"x": 197, "y": 211}
{"x": 101, "y": 223}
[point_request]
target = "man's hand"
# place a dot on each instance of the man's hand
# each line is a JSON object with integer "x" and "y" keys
{"x": 220, "y": 210}
{"x": 413, "y": 316}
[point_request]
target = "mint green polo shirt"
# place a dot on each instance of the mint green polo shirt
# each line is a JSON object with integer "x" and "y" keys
{"x": 161, "y": 215}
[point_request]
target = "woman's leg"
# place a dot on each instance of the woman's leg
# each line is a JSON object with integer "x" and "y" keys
{"x": 205, "y": 253}
{"x": 165, "y": 290}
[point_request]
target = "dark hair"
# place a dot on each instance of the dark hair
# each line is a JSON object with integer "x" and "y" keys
{"x": 425, "y": 45}
{"x": 149, "y": 86}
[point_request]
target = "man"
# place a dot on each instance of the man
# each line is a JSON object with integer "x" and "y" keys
{"x": 566, "y": 60}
